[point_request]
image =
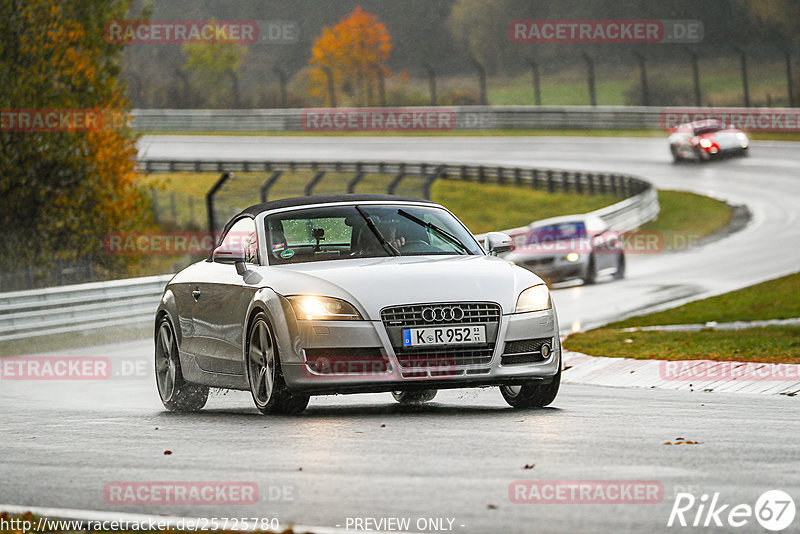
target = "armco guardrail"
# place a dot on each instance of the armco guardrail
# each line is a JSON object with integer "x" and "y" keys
{"x": 56, "y": 310}
{"x": 25, "y": 314}
{"x": 463, "y": 118}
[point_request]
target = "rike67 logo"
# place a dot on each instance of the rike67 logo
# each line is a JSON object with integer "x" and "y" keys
{"x": 774, "y": 510}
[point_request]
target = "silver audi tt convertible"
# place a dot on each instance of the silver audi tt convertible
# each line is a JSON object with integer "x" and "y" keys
{"x": 354, "y": 294}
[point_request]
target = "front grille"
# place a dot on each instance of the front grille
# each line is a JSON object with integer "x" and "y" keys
{"x": 410, "y": 316}
{"x": 525, "y": 351}
{"x": 446, "y": 359}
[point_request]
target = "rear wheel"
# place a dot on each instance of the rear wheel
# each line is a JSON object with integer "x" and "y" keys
{"x": 176, "y": 394}
{"x": 270, "y": 393}
{"x": 414, "y": 397}
{"x": 532, "y": 394}
{"x": 620, "y": 272}
{"x": 676, "y": 157}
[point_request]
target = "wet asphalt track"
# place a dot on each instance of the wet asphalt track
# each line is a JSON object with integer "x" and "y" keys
{"x": 61, "y": 442}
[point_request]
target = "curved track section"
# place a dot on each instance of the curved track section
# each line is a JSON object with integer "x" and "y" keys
{"x": 365, "y": 456}
{"x": 768, "y": 182}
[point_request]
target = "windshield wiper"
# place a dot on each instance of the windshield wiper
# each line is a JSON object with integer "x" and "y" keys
{"x": 442, "y": 233}
{"x": 371, "y": 225}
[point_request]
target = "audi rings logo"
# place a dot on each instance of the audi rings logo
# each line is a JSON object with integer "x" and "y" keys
{"x": 441, "y": 314}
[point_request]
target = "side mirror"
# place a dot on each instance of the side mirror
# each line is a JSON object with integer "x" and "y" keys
{"x": 223, "y": 254}
{"x": 497, "y": 243}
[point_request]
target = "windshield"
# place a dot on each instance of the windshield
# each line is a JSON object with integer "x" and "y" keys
{"x": 708, "y": 129}
{"x": 343, "y": 232}
{"x": 556, "y": 232}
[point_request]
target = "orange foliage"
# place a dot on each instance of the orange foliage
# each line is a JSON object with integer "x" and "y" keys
{"x": 355, "y": 50}
{"x": 62, "y": 191}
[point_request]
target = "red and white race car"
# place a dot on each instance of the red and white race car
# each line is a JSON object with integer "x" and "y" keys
{"x": 706, "y": 139}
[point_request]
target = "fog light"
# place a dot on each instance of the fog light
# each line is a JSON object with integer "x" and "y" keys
{"x": 545, "y": 350}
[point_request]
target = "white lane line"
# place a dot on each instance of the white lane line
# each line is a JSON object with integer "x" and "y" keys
{"x": 172, "y": 522}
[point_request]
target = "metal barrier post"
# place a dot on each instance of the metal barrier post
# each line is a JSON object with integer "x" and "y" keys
{"x": 212, "y": 227}
{"x": 268, "y": 185}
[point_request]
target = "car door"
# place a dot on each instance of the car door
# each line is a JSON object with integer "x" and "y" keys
{"x": 222, "y": 294}
{"x": 181, "y": 289}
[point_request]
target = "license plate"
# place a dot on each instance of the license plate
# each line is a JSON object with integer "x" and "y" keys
{"x": 444, "y": 335}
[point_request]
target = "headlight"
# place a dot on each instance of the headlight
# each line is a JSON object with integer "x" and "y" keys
{"x": 536, "y": 298}
{"x": 742, "y": 139}
{"x": 572, "y": 257}
{"x": 705, "y": 143}
{"x": 311, "y": 308}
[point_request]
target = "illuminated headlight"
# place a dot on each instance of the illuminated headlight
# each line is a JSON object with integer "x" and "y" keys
{"x": 572, "y": 257}
{"x": 311, "y": 308}
{"x": 536, "y": 298}
{"x": 705, "y": 143}
{"x": 742, "y": 139}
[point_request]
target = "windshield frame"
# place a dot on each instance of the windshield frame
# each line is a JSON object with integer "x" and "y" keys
{"x": 263, "y": 238}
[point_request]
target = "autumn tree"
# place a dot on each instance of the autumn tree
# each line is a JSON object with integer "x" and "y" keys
{"x": 354, "y": 52}
{"x": 63, "y": 190}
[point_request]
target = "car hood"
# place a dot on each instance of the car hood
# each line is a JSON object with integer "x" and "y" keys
{"x": 372, "y": 284}
{"x": 725, "y": 139}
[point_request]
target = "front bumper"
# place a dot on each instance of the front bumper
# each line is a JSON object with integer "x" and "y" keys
{"x": 358, "y": 374}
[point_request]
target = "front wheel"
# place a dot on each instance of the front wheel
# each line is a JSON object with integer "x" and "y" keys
{"x": 591, "y": 272}
{"x": 270, "y": 393}
{"x": 532, "y": 394}
{"x": 176, "y": 394}
{"x": 414, "y": 397}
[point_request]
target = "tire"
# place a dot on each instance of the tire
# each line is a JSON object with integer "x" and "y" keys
{"x": 620, "y": 272}
{"x": 532, "y": 394}
{"x": 414, "y": 397}
{"x": 675, "y": 156}
{"x": 177, "y": 395}
{"x": 591, "y": 272}
{"x": 269, "y": 390}
{"x": 701, "y": 154}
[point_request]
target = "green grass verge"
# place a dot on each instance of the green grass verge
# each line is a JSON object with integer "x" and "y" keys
{"x": 686, "y": 218}
{"x": 759, "y": 136}
{"x": 487, "y": 207}
{"x": 482, "y": 207}
{"x": 775, "y": 299}
{"x": 772, "y": 344}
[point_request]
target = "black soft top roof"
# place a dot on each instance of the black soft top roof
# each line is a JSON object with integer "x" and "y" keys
{"x": 323, "y": 199}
